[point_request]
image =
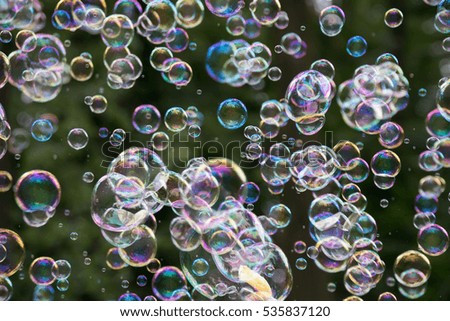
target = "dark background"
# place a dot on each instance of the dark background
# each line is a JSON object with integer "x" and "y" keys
{"x": 416, "y": 45}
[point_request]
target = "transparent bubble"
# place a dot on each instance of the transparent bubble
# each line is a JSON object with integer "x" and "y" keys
{"x": 175, "y": 119}
{"x": 117, "y": 31}
{"x": 385, "y": 163}
{"x": 42, "y": 130}
{"x": 41, "y": 271}
{"x": 387, "y": 296}
{"x": 235, "y": 25}
{"x": 331, "y": 20}
{"x": 265, "y": 11}
{"x": 142, "y": 250}
{"x": 432, "y": 185}
{"x": 224, "y": 8}
{"x": 129, "y": 297}
{"x": 393, "y": 18}
{"x": 412, "y": 269}
{"x": 232, "y": 113}
{"x": 166, "y": 283}
{"x": 200, "y": 267}
{"x": 61, "y": 269}
{"x": 281, "y": 215}
{"x": 88, "y": 177}
{"x": 37, "y": 190}
{"x": 13, "y": 252}
{"x": 446, "y": 44}
{"x": 443, "y": 99}
{"x": 26, "y": 40}
{"x": 130, "y": 8}
{"x": 433, "y": 239}
{"x": 177, "y": 40}
{"x": 194, "y": 131}
{"x": 391, "y": 135}
{"x": 6, "y": 289}
{"x": 291, "y": 43}
{"x": 274, "y": 73}
{"x": 114, "y": 260}
{"x": 77, "y": 138}
{"x": 282, "y": 20}
{"x": 189, "y": 13}
{"x": 356, "y": 46}
{"x": 81, "y": 68}
{"x": 249, "y": 193}
{"x": 437, "y": 125}
{"x": 300, "y": 247}
{"x": 301, "y": 264}
{"x": 146, "y": 119}
{"x": 160, "y": 141}
{"x": 154, "y": 265}
{"x": 158, "y": 58}
{"x": 180, "y": 73}
{"x": 426, "y": 203}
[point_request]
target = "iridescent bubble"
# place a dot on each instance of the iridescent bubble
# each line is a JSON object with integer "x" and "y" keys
{"x": 356, "y": 46}
{"x": 393, "y": 18}
{"x": 180, "y": 73}
{"x": 158, "y": 58}
{"x": 43, "y": 293}
{"x": 160, "y": 141}
{"x": 301, "y": 264}
{"x": 129, "y": 297}
{"x": 252, "y": 28}
{"x": 42, "y": 130}
{"x": 167, "y": 281}
{"x": 62, "y": 285}
{"x": 37, "y": 190}
{"x": 61, "y": 269}
{"x": 175, "y": 119}
{"x": 189, "y": 13}
{"x": 88, "y": 177}
{"x": 291, "y": 43}
{"x": 41, "y": 271}
{"x": 387, "y": 296}
{"x": 114, "y": 260}
{"x": 235, "y": 25}
{"x": 412, "y": 269}
{"x": 154, "y": 265}
{"x": 281, "y": 215}
{"x": 274, "y": 73}
{"x": 265, "y": 11}
{"x": 385, "y": 163}
{"x": 426, "y": 203}
{"x": 433, "y": 240}
{"x": 437, "y": 125}
{"x": 130, "y": 8}
{"x": 331, "y": 20}
{"x": 300, "y": 247}
{"x": 77, "y": 138}
{"x": 81, "y": 68}
{"x": 423, "y": 219}
{"x": 95, "y": 17}
{"x": 117, "y": 31}
{"x": 69, "y": 15}
{"x": 432, "y": 185}
{"x": 226, "y": 8}
{"x": 177, "y": 40}
{"x": 146, "y": 119}
{"x": 142, "y": 250}
{"x": 391, "y": 135}
{"x": 4, "y": 69}
{"x": 6, "y": 289}
{"x": 443, "y": 99}
{"x": 232, "y": 113}
{"x": 282, "y": 20}
{"x": 249, "y": 193}
{"x": 13, "y": 251}
{"x": 141, "y": 280}
{"x": 446, "y": 44}
{"x": 200, "y": 267}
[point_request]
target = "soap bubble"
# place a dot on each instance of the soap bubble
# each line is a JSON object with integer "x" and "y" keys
{"x": 6, "y": 289}
{"x": 37, "y": 190}
{"x": 13, "y": 252}
{"x": 167, "y": 281}
{"x": 412, "y": 269}
{"x": 146, "y": 119}
{"x": 41, "y": 271}
{"x": 42, "y": 130}
{"x": 356, "y": 46}
{"x": 114, "y": 260}
{"x": 224, "y": 9}
{"x": 235, "y": 25}
{"x": 433, "y": 239}
{"x": 142, "y": 250}
{"x": 331, "y": 20}
{"x": 281, "y": 215}
{"x": 81, "y": 68}
{"x": 77, "y": 138}
{"x": 175, "y": 119}
{"x": 265, "y": 11}
{"x": 189, "y": 13}
{"x": 61, "y": 269}
{"x": 385, "y": 163}
{"x": 160, "y": 141}
{"x": 301, "y": 264}
{"x": 6, "y": 181}
{"x": 232, "y": 113}
{"x": 117, "y": 31}
{"x": 393, "y": 18}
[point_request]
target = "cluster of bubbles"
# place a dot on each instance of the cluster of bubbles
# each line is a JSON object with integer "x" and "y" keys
{"x": 224, "y": 249}
{"x": 38, "y": 66}
{"x": 25, "y": 14}
{"x": 173, "y": 70}
{"x": 237, "y": 62}
{"x": 44, "y": 271}
{"x": 372, "y": 97}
